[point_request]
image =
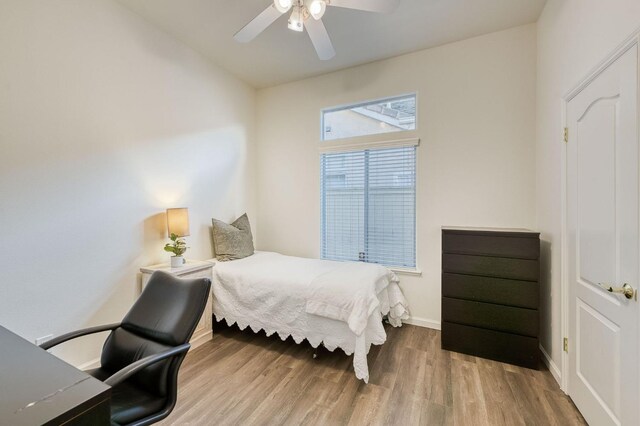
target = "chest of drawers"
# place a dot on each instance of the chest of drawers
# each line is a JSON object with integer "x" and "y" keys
{"x": 490, "y": 293}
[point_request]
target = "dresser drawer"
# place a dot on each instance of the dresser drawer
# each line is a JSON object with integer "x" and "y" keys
{"x": 523, "y": 294}
{"x": 507, "y": 319}
{"x": 491, "y": 245}
{"x": 504, "y": 347}
{"x": 516, "y": 269}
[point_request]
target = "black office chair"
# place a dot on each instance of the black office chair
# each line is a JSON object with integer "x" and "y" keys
{"x": 142, "y": 354}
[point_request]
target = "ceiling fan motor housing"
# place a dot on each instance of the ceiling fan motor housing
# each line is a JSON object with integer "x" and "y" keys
{"x": 296, "y": 20}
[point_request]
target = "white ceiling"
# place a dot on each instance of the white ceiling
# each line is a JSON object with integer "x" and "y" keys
{"x": 279, "y": 55}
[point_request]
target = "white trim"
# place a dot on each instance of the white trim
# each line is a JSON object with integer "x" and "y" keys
{"x": 620, "y": 50}
{"x": 631, "y": 41}
{"x": 564, "y": 279}
{"x": 553, "y": 368}
{"x": 412, "y": 272}
{"x": 355, "y": 145}
{"x": 200, "y": 340}
{"x": 423, "y": 322}
{"x": 417, "y": 213}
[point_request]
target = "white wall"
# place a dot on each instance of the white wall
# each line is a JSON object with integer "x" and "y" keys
{"x": 104, "y": 123}
{"x": 573, "y": 37}
{"x": 476, "y": 105}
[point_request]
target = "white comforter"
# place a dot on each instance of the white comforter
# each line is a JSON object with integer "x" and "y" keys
{"x": 339, "y": 304}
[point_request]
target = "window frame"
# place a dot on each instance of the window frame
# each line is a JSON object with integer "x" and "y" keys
{"x": 385, "y": 135}
{"x": 357, "y": 147}
{"x": 375, "y": 141}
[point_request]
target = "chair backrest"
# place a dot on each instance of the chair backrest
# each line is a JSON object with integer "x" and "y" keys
{"x": 165, "y": 315}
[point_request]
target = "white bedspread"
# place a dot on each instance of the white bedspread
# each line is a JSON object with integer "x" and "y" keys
{"x": 348, "y": 292}
{"x": 339, "y": 304}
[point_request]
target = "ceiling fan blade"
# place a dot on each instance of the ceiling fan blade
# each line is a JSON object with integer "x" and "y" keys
{"x": 258, "y": 25}
{"x": 382, "y": 6}
{"x": 320, "y": 38}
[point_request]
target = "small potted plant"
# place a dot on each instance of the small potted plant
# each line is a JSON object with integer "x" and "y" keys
{"x": 177, "y": 246}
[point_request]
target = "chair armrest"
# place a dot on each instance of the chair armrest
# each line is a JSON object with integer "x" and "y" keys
{"x": 78, "y": 333}
{"x": 131, "y": 369}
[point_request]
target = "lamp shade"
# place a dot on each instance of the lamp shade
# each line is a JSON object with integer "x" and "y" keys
{"x": 178, "y": 222}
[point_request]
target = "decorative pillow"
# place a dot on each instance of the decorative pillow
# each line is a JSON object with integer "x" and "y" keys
{"x": 233, "y": 241}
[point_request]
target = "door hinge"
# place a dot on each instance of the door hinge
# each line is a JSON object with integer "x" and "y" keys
{"x": 566, "y": 134}
{"x": 565, "y": 344}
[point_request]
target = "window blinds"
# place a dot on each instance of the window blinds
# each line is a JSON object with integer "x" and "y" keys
{"x": 368, "y": 200}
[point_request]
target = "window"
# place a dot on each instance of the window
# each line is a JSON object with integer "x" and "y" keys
{"x": 368, "y": 202}
{"x": 371, "y": 118}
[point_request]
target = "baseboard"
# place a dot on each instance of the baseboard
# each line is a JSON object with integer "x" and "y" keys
{"x": 553, "y": 368}
{"x": 201, "y": 339}
{"x": 423, "y": 322}
{"x": 94, "y": 363}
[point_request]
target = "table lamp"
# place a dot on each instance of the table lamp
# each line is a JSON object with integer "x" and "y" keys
{"x": 177, "y": 228}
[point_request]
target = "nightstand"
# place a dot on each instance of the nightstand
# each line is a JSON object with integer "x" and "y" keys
{"x": 191, "y": 269}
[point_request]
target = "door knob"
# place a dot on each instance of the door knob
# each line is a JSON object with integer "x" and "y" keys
{"x": 626, "y": 289}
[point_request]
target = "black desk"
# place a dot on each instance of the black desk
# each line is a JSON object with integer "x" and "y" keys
{"x": 36, "y": 388}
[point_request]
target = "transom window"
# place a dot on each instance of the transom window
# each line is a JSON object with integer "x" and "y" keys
{"x": 388, "y": 115}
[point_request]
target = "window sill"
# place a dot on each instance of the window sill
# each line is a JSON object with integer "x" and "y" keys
{"x": 411, "y": 272}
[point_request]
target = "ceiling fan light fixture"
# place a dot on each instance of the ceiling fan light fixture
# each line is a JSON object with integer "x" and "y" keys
{"x": 317, "y": 8}
{"x": 296, "y": 20}
{"x": 300, "y": 19}
{"x": 283, "y": 5}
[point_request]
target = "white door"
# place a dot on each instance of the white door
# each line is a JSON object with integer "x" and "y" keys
{"x": 603, "y": 244}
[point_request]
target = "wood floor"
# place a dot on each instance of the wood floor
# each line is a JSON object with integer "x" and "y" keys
{"x": 242, "y": 378}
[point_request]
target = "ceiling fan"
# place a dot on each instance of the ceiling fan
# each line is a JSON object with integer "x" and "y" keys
{"x": 308, "y": 14}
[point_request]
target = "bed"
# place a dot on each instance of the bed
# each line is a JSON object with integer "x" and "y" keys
{"x": 337, "y": 304}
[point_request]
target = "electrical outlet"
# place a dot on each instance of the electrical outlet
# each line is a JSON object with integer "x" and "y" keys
{"x": 41, "y": 340}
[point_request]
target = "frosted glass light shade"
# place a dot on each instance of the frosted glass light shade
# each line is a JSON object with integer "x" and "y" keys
{"x": 283, "y": 5}
{"x": 178, "y": 222}
{"x": 317, "y": 9}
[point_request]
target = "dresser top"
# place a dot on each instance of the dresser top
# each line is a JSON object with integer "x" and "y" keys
{"x": 471, "y": 229}
{"x": 189, "y": 266}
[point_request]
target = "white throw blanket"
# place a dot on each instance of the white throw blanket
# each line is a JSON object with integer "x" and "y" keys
{"x": 349, "y": 292}
{"x": 339, "y": 304}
